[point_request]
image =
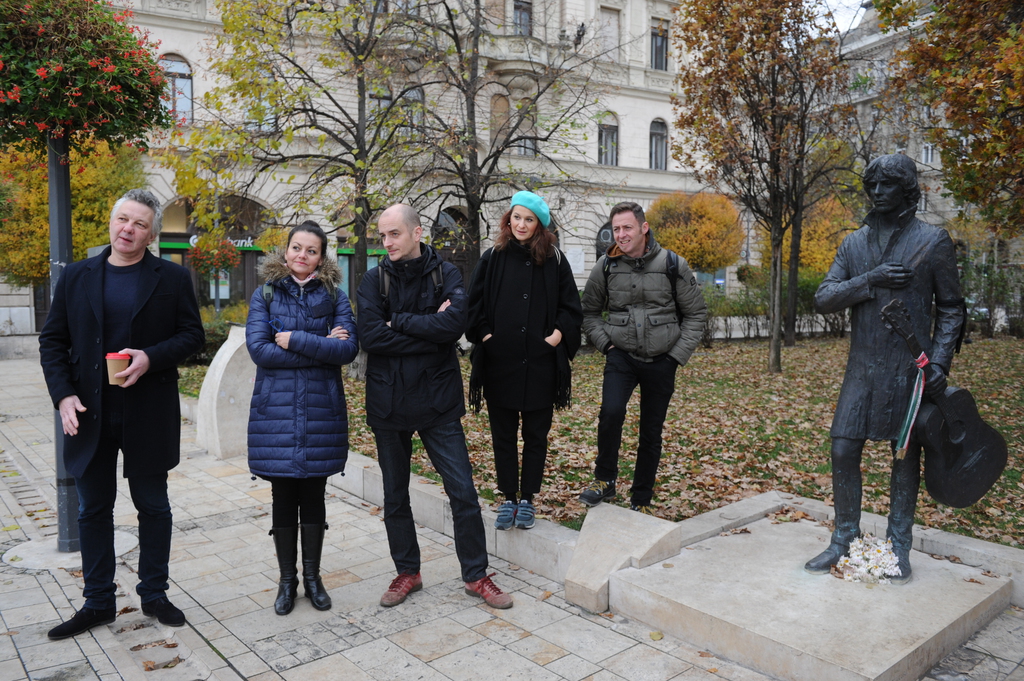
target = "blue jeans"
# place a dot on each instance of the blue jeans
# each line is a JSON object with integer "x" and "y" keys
{"x": 446, "y": 447}
{"x": 97, "y": 492}
{"x": 657, "y": 381}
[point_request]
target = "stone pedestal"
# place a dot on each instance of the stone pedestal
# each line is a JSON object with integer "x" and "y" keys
{"x": 745, "y": 597}
{"x": 223, "y": 414}
{"x": 613, "y": 538}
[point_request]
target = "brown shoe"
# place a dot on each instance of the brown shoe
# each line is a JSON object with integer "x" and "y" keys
{"x": 401, "y": 587}
{"x": 489, "y": 591}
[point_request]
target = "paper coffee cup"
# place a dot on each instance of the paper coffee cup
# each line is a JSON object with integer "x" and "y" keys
{"x": 116, "y": 363}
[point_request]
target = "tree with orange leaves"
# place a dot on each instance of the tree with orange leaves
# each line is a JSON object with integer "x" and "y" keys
{"x": 763, "y": 94}
{"x": 966, "y": 62}
{"x": 102, "y": 173}
{"x": 703, "y": 228}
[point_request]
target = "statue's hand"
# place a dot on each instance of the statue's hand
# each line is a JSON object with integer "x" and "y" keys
{"x": 890, "y": 275}
{"x": 934, "y": 380}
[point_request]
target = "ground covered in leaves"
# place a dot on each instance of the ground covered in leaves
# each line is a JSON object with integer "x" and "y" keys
{"x": 734, "y": 431}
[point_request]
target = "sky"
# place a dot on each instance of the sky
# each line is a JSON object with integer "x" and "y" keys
{"x": 846, "y": 12}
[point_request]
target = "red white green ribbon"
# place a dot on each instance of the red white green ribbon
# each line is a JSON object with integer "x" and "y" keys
{"x": 903, "y": 440}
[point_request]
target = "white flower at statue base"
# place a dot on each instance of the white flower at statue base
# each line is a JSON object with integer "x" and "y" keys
{"x": 870, "y": 559}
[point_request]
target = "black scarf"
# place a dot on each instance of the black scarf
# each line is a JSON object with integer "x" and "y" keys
{"x": 492, "y": 284}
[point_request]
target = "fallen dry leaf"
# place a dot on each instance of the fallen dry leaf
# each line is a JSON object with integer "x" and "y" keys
{"x": 741, "y": 432}
{"x": 608, "y": 615}
{"x": 126, "y": 609}
{"x": 148, "y": 665}
{"x": 712, "y": 670}
{"x": 705, "y": 653}
{"x": 173, "y": 663}
{"x": 132, "y": 627}
{"x": 668, "y": 565}
{"x": 544, "y": 596}
{"x": 375, "y": 510}
{"x": 988, "y": 573}
{"x": 8, "y": 633}
{"x": 971, "y": 580}
{"x": 657, "y": 635}
{"x": 735, "y": 530}
{"x": 954, "y": 559}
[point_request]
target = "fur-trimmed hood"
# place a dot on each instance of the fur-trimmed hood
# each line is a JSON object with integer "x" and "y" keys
{"x": 274, "y": 268}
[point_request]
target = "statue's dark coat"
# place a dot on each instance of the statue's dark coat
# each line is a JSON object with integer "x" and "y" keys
{"x": 880, "y": 370}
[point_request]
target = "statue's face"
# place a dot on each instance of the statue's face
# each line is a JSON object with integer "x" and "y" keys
{"x": 888, "y": 195}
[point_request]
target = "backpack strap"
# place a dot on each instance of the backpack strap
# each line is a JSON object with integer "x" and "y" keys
{"x": 268, "y": 293}
{"x": 384, "y": 284}
{"x": 437, "y": 276}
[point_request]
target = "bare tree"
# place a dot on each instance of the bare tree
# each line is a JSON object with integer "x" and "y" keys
{"x": 508, "y": 108}
{"x": 763, "y": 92}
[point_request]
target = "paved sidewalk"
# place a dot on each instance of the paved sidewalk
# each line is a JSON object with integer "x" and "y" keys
{"x": 223, "y": 575}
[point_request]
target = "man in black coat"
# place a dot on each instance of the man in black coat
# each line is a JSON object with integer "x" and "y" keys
{"x": 894, "y": 255}
{"x": 411, "y": 312}
{"x": 126, "y": 301}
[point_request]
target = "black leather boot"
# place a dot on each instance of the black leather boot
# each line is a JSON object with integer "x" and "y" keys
{"x": 822, "y": 563}
{"x": 846, "y": 495}
{"x": 285, "y": 542}
{"x": 312, "y": 546}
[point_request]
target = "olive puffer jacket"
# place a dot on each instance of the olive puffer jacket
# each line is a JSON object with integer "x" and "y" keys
{"x": 298, "y": 421}
{"x": 643, "y": 319}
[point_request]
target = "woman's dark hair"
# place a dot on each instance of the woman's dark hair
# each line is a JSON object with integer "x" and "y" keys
{"x": 540, "y": 244}
{"x": 314, "y": 229}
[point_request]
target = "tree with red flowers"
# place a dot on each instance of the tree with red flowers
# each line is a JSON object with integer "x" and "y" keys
{"x": 75, "y": 69}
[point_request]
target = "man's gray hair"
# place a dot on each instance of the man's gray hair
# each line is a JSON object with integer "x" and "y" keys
{"x": 147, "y": 199}
{"x": 897, "y": 167}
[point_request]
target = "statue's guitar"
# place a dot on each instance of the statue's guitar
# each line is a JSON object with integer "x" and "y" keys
{"x": 964, "y": 456}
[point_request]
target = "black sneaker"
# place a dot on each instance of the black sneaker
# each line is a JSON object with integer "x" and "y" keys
{"x": 598, "y": 491}
{"x": 643, "y": 508}
{"x": 84, "y": 620}
{"x": 165, "y": 611}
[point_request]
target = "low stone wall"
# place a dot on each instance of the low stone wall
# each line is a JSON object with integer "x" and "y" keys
{"x": 19, "y": 347}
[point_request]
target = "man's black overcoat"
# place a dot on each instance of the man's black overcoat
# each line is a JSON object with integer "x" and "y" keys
{"x": 880, "y": 370}
{"x": 165, "y": 324}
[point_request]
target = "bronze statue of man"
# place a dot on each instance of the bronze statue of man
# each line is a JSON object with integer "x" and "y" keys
{"x": 893, "y": 255}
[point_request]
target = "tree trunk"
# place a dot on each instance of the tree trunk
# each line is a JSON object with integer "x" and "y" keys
{"x": 472, "y": 240}
{"x": 793, "y": 282}
{"x": 358, "y": 262}
{"x": 775, "y": 303}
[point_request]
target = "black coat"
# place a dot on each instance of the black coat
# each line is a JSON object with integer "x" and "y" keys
{"x": 880, "y": 370}
{"x": 520, "y": 304}
{"x": 413, "y": 379}
{"x": 165, "y": 324}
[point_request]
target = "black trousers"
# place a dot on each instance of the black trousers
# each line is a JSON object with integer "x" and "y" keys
{"x": 294, "y": 495}
{"x": 512, "y": 482}
{"x": 657, "y": 381}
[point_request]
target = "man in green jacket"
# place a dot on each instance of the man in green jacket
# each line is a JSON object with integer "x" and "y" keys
{"x": 655, "y": 316}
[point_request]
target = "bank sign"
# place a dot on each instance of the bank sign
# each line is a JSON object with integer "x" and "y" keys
{"x": 244, "y": 243}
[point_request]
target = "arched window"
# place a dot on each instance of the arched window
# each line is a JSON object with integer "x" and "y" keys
{"x": 499, "y": 118}
{"x": 659, "y": 145}
{"x": 179, "y": 84}
{"x": 608, "y": 140}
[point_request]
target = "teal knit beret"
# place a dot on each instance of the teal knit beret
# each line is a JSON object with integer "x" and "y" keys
{"x": 535, "y": 204}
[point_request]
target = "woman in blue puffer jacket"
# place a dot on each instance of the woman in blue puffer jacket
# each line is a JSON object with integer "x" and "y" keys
{"x": 299, "y": 332}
